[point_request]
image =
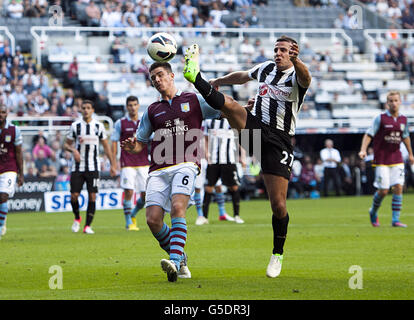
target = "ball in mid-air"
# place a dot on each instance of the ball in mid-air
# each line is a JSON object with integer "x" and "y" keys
{"x": 162, "y": 47}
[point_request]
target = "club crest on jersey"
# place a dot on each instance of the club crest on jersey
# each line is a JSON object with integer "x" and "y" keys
{"x": 7, "y": 138}
{"x": 185, "y": 107}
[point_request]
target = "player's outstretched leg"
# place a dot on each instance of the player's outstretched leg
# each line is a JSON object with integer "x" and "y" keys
{"x": 192, "y": 73}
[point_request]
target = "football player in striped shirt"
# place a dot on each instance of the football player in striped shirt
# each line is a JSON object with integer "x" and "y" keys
{"x": 283, "y": 84}
{"x": 86, "y": 132}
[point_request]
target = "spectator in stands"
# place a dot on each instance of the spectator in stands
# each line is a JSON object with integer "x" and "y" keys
{"x": 382, "y": 7}
{"x": 41, "y": 161}
{"x": 260, "y": 2}
{"x": 295, "y": 187}
{"x": 394, "y": 12}
{"x": 99, "y": 66}
{"x": 143, "y": 68}
{"x": 188, "y": 13}
{"x": 350, "y": 20}
{"x": 17, "y": 96}
{"x": 331, "y": 159}
{"x": 309, "y": 179}
{"x": 253, "y": 20}
{"x": 246, "y": 48}
{"x": 110, "y": 17}
{"x": 116, "y": 50}
{"x": 4, "y": 43}
{"x": 348, "y": 56}
{"x": 62, "y": 182}
{"x": 339, "y": 22}
{"x": 164, "y": 20}
{"x": 380, "y": 51}
{"x": 41, "y": 147}
{"x": 102, "y": 103}
{"x": 15, "y": 9}
{"x": 73, "y": 77}
{"x": 29, "y": 86}
{"x": 47, "y": 171}
{"x": 261, "y": 57}
{"x": 129, "y": 13}
{"x": 347, "y": 181}
{"x": 93, "y": 12}
{"x": 204, "y": 8}
{"x": 7, "y": 99}
{"x": 40, "y": 105}
{"x": 56, "y": 87}
{"x": 407, "y": 19}
{"x": 30, "y": 64}
{"x": 241, "y": 21}
{"x": 307, "y": 52}
{"x": 59, "y": 49}
{"x": 222, "y": 47}
{"x": 132, "y": 59}
{"x": 212, "y": 23}
{"x": 7, "y": 57}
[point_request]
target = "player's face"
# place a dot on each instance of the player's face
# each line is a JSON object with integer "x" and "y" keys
{"x": 87, "y": 110}
{"x": 393, "y": 103}
{"x": 281, "y": 55}
{"x": 162, "y": 79}
{"x": 3, "y": 114}
{"x": 132, "y": 108}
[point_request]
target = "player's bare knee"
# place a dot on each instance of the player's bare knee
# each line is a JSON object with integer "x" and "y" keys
{"x": 383, "y": 192}
{"x": 178, "y": 209}
{"x": 279, "y": 208}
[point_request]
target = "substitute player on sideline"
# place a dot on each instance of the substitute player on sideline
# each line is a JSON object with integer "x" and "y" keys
{"x": 283, "y": 84}
{"x": 134, "y": 167}
{"x": 11, "y": 164}
{"x": 86, "y": 132}
{"x": 175, "y": 159}
{"x": 387, "y": 132}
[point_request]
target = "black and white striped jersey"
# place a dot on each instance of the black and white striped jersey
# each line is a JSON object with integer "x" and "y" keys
{"x": 221, "y": 141}
{"x": 87, "y": 137}
{"x": 279, "y": 96}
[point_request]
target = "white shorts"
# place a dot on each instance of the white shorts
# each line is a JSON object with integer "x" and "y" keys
{"x": 387, "y": 176}
{"x": 201, "y": 178}
{"x": 134, "y": 178}
{"x": 164, "y": 183}
{"x": 8, "y": 183}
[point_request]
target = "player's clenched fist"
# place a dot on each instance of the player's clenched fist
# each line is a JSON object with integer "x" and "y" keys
{"x": 294, "y": 51}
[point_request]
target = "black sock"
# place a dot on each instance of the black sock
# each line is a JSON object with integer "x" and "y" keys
{"x": 214, "y": 98}
{"x": 90, "y": 212}
{"x": 75, "y": 208}
{"x": 206, "y": 203}
{"x": 235, "y": 197}
{"x": 279, "y": 233}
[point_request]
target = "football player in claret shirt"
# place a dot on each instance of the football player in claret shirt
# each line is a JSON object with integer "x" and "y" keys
{"x": 387, "y": 132}
{"x": 134, "y": 167}
{"x": 11, "y": 164}
{"x": 175, "y": 119}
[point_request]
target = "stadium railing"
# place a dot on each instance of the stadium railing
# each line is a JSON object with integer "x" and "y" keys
{"x": 11, "y": 37}
{"x": 40, "y": 33}
{"x": 30, "y": 125}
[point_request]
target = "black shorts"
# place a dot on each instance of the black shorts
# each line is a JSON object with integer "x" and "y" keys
{"x": 77, "y": 179}
{"x": 276, "y": 148}
{"x": 227, "y": 173}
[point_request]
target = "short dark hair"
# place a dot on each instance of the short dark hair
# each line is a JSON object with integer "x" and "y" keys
{"x": 286, "y": 39}
{"x": 161, "y": 64}
{"x": 132, "y": 98}
{"x": 88, "y": 102}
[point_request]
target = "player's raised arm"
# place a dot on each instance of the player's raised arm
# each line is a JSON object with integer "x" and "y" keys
{"x": 302, "y": 73}
{"x": 237, "y": 77}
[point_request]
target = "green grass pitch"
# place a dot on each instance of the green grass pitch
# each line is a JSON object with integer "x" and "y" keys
{"x": 228, "y": 261}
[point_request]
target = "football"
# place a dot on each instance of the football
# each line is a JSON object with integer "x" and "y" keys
{"x": 162, "y": 47}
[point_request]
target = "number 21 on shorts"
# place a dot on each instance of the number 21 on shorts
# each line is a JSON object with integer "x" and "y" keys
{"x": 286, "y": 157}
